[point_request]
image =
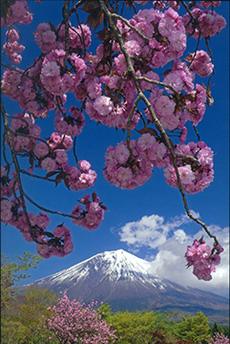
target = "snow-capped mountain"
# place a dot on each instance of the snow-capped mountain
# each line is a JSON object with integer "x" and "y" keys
{"x": 119, "y": 269}
{"x": 127, "y": 283}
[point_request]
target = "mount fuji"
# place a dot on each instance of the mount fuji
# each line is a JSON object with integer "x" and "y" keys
{"x": 127, "y": 283}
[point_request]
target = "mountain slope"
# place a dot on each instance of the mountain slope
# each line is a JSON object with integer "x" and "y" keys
{"x": 126, "y": 282}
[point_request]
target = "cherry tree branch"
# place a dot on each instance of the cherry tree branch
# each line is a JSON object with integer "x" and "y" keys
{"x": 188, "y": 10}
{"x": 18, "y": 171}
{"x": 66, "y": 20}
{"x": 210, "y": 52}
{"x": 158, "y": 83}
{"x": 129, "y": 123}
{"x": 36, "y": 176}
{"x": 158, "y": 125}
{"x": 117, "y": 16}
{"x": 48, "y": 210}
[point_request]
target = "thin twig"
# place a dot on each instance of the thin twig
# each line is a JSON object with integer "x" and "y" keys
{"x": 36, "y": 176}
{"x": 159, "y": 83}
{"x": 66, "y": 20}
{"x": 210, "y": 52}
{"x": 48, "y": 210}
{"x": 129, "y": 124}
{"x": 115, "y": 15}
{"x": 196, "y": 131}
{"x": 74, "y": 150}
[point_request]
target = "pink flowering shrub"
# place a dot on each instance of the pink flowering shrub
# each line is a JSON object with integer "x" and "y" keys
{"x": 71, "y": 322}
{"x": 218, "y": 338}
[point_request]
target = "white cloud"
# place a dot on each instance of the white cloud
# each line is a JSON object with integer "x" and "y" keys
{"x": 169, "y": 262}
{"x": 149, "y": 231}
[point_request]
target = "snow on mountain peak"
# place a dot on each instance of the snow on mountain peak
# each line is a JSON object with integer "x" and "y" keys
{"x": 121, "y": 260}
{"x": 113, "y": 265}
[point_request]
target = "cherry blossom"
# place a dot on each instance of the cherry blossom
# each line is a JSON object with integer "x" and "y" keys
{"x": 119, "y": 85}
{"x": 203, "y": 259}
{"x": 72, "y": 321}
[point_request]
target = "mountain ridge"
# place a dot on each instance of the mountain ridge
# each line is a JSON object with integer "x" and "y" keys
{"x": 127, "y": 283}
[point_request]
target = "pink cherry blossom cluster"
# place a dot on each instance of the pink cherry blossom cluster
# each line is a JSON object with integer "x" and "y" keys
{"x": 210, "y": 23}
{"x": 206, "y": 4}
{"x": 53, "y": 75}
{"x": 91, "y": 217}
{"x": 58, "y": 243}
{"x": 52, "y": 157}
{"x": 123, "y": 171}
{"x": 12, "y": 47}
{"x": 102, "y": 110}
{"x": 128, "y": 171}
{"x": 100, "y": 106}
{"x": 195, "y": 105}
{"x": 52, "y": 154}
{"x": 9, "y": 185}
{"x": 73, "y": 322}
{"x": 24, "y": 133}
{"x": 28, "y": 90}
{"x": 49, "y": 77}
{"x": 165, "y": 32}
{"x": 195, "y": 177}
{"x": 160, "y": 5}
{"x": 19, "y": 14}
{"x": 79, "y": 38}
{"x": 57, "y": 141}
{"x": 45, "y": 38}
{"x": 203, "y": 259}
{"x": 163, "y": 46}
{"x": 10, "y": 84}
{"x": 192, "y": 106}
{"x": 49, "y": 38}
{"x": 18, "y": 219}
{"x": 219, "y": 338}
{"x": 6, "y": 210}
{"x": 201, "y": 63}
{"x": 70, "y": 125}
{"x": 180, "y": 77}
{"x": 82, "y": 178}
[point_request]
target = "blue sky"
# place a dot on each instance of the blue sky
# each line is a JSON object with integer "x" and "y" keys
{"x": 150, "y": 220}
